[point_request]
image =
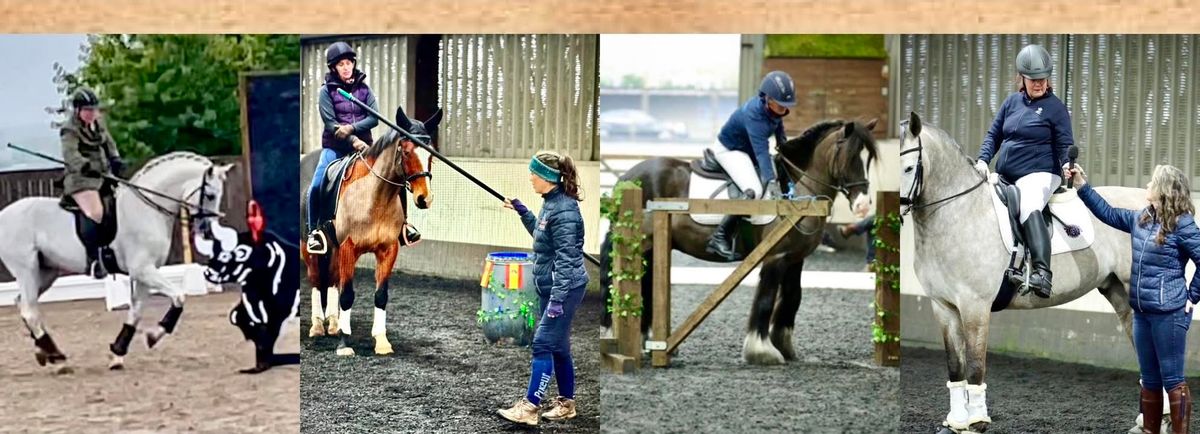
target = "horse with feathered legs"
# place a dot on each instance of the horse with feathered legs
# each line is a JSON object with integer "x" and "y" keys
{"x": 824, "y": 161}
{"x": 960, "y": 260}
{"x": 40, "y": 243}
{"x": 370, "y": 218}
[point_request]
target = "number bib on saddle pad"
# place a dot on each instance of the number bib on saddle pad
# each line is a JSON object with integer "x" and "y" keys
{"x": 1066, "y": 207}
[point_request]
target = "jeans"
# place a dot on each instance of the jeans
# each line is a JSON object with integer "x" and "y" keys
{"x": 552, "y": 343}
{"x": 327, "y": 156}
{"x": 863, "y": 227}
{"x": 1160, "y": 340}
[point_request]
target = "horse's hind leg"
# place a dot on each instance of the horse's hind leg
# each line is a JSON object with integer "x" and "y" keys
{"x": 955, "y": 341}
{"x": 31, "y": 285}
{"x": 784, "y": 318}
{"x": 757, "y": 348}
{"x": 385, "y": 257}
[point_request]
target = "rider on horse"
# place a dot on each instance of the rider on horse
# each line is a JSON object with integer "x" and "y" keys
{"x": 745, "y": 138}
{"x": 1033, "y": 128}
{"x": 89, "y": 153}
{"x": 347, "y": 126}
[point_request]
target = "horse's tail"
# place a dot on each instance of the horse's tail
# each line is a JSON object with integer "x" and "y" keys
{"x": 605, "y": 278}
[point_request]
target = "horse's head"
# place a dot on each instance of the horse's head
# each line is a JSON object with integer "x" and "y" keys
{"x": 912, "y": 168}
{"x": 923, "y": 148}
{"x": 828, "y": 157}
{"x": 205, "y": 193}
{"x": 407, "y": 167}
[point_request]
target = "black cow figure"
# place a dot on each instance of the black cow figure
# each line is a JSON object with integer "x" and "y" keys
{"x": 267, "y": 268}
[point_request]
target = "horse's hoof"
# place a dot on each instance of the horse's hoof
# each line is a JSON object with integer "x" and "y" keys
{"x": 153, "y": 337}
{"x": 782, "y": 340}
{"x": 116, "y": 363}
{"x": 346, "y": 351}
{"x": 44, "y": 358}
{"x": 382, "y": 346}
{"x": 257, "y": 369}
{"x": 63, "y": 370}
{"x": 316, "y": 330}
{"x": 979, "y": 427}
{"x": 758, "y": 351}
{"x": 332, "y": 329}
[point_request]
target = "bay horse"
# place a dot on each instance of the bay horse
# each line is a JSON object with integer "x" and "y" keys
{"x": 370, "y": 219}
{"x": 960, "y": 259}
{"x": 825, "y": 160}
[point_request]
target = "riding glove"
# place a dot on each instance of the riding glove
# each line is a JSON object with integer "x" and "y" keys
{"x": 116, "y": 165}
{"x": 981, "y": 167}
{"x": 519, "y": 207}
{"x": 554, "y": 309}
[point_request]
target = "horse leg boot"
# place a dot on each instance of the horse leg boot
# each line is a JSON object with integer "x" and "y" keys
{"x": 1181, "y": 408}
{"x": 1038, "y": 239}
{"x": 721, "y": 243}
{"x": 332, "y": 319}
{"x": 1152, "y": 413}
{"x": 345, "y": 303}
{"x": 318, "y": 319}
{"x": 379, "y": 322}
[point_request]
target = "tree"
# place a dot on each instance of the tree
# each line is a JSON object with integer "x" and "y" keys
{"x": 165, "y": 93}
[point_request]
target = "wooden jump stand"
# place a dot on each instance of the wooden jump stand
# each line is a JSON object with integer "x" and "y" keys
{"x": 622, "y": 353}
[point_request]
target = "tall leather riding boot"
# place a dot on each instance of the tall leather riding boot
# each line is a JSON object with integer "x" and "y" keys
{"x": 1037, "y": 237}
{"x": 1181, "y": 408}
{"x": 89, "y": 232}
{"x": 721, "y": 243}
{"x": 1152, "y": 406}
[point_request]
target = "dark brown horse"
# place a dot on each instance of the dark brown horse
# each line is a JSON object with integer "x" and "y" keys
{"x": 370, "y": 218}
{"x": 824, "y": 161}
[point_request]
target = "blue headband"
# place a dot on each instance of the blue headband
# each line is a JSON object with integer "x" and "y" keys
{"x": 543, "y": 171}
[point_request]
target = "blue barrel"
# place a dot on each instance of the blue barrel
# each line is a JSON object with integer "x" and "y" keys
{"x": 508, "y": 309}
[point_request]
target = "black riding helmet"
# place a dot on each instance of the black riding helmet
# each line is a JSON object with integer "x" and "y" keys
{"x": 84, "y": 97}
{"x": 338, "y": 51}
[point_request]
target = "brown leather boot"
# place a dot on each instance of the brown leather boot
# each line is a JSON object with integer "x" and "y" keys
{"x": 1181, "y": 408}
{"x": 1152, "y": 406}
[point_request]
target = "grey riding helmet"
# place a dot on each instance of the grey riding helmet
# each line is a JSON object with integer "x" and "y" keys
{"x": 1034, "y": 63}
{"x": 338, "y": 51}
{"x": 778, "y": 86}
{"x": 84, "y": 98}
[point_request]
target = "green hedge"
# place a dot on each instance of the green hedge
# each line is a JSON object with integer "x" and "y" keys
{"x": 826, "y": 46}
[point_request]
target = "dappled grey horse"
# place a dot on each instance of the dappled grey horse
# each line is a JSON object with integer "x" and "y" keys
{"x": 40, "y": 243}
{"x": 960, "y": 260}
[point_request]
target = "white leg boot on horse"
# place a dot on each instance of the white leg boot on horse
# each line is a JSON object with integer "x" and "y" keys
{"x": 318, "y": 319}
{"x": 379, "y": 332}
{"x": 977, "y": 412}
{"x": 343, "y": 322}
{"x": 332, "y": 320}
{"x": 956, "y": 419}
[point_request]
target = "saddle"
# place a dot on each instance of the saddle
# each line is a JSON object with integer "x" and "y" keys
{"x": 326, "y": 199}
{"x": 707, "y": 167}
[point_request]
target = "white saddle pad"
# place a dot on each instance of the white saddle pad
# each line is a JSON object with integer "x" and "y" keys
{"x": 703, "y": 188}
{"x": 1067, "y": 206}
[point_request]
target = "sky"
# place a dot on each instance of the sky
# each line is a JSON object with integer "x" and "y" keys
{"x": 704, "y": 61}
{"x": 28, "y": 90}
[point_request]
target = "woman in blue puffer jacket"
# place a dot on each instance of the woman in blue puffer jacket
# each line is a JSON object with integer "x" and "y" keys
{"x": 561, "y": 282}
{"x": 1165, "y": 237}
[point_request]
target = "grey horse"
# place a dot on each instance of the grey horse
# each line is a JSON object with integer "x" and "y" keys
{"x": 960, "y": 260}
{"x": 40, "y": 244}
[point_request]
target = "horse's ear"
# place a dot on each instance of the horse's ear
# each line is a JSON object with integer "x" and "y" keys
{"x": 848, "y": 130}
{"x": 431, "y": 124}
{"x": 871, "y": 124}
{"x": 402, "y": 119}
{"x": 222, "y": 171}
{"x": 914, "y": 124}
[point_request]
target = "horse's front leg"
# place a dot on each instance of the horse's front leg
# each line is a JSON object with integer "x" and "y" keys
{"x": 346, "y": 258}
{"x": 120, "y": 345}
{"x": 955, "y": 342}
{"x": 148, "y": 278}
{"x": 757, "y": 348}
{"x": 385, "y": 258}
{"x": 976, "y": 318}
{"x": 784, "y": 320}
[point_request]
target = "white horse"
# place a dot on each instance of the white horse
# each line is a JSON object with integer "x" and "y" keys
{"x": 39, "y": 242}
{"x": 960, "y": 260}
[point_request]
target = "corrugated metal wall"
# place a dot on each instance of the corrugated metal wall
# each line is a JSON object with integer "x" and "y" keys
{"x": 385, "y": 60}
{"x": 1134, "y": 99}
{"x": 508, "y": 96}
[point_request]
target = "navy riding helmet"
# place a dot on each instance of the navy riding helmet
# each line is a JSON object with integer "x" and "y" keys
{"x": 778, "y": 86}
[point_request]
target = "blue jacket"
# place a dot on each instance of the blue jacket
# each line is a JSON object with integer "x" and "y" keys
{"x": 1157, "y": 284}
{"x": 557, "y": 245}
{"x": 748, "y": 130}
{"x": 1033, "y": 135}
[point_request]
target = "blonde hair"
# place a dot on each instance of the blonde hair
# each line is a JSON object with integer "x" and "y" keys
{"x": 1174, "y": 199}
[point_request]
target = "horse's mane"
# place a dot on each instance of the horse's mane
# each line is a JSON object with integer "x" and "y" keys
{"x": 178, "y": 155}
{"x": 381, "y": 143}
{"x": 800, "y": 150}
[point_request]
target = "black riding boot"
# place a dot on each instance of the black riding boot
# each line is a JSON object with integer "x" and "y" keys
{"x": 410, "y": 235}
{"x": 721, "y": 243}
{"x": 1037, "y": 237}
{"x": 89, "y": 232}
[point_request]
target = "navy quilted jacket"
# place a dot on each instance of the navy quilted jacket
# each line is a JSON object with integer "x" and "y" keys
{"x": 557, "y": 245}
{"x": 1157, "y": 284}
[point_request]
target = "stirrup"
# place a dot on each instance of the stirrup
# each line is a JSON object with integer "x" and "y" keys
{"x": 409, "y": 235}
{"x": 317, "y": 243}
{"x": 96, "y": 268}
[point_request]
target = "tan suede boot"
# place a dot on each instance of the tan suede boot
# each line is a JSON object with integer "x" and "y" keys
{"x": 521, "y": 412}
{"x": 560, "y": 409}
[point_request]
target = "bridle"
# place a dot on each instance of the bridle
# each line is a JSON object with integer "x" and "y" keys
{"x": 842, "y": 186}
{"x": 202, "y": 213}
{"x": 910, "y": 199}
{"x": 406, "y": 184}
